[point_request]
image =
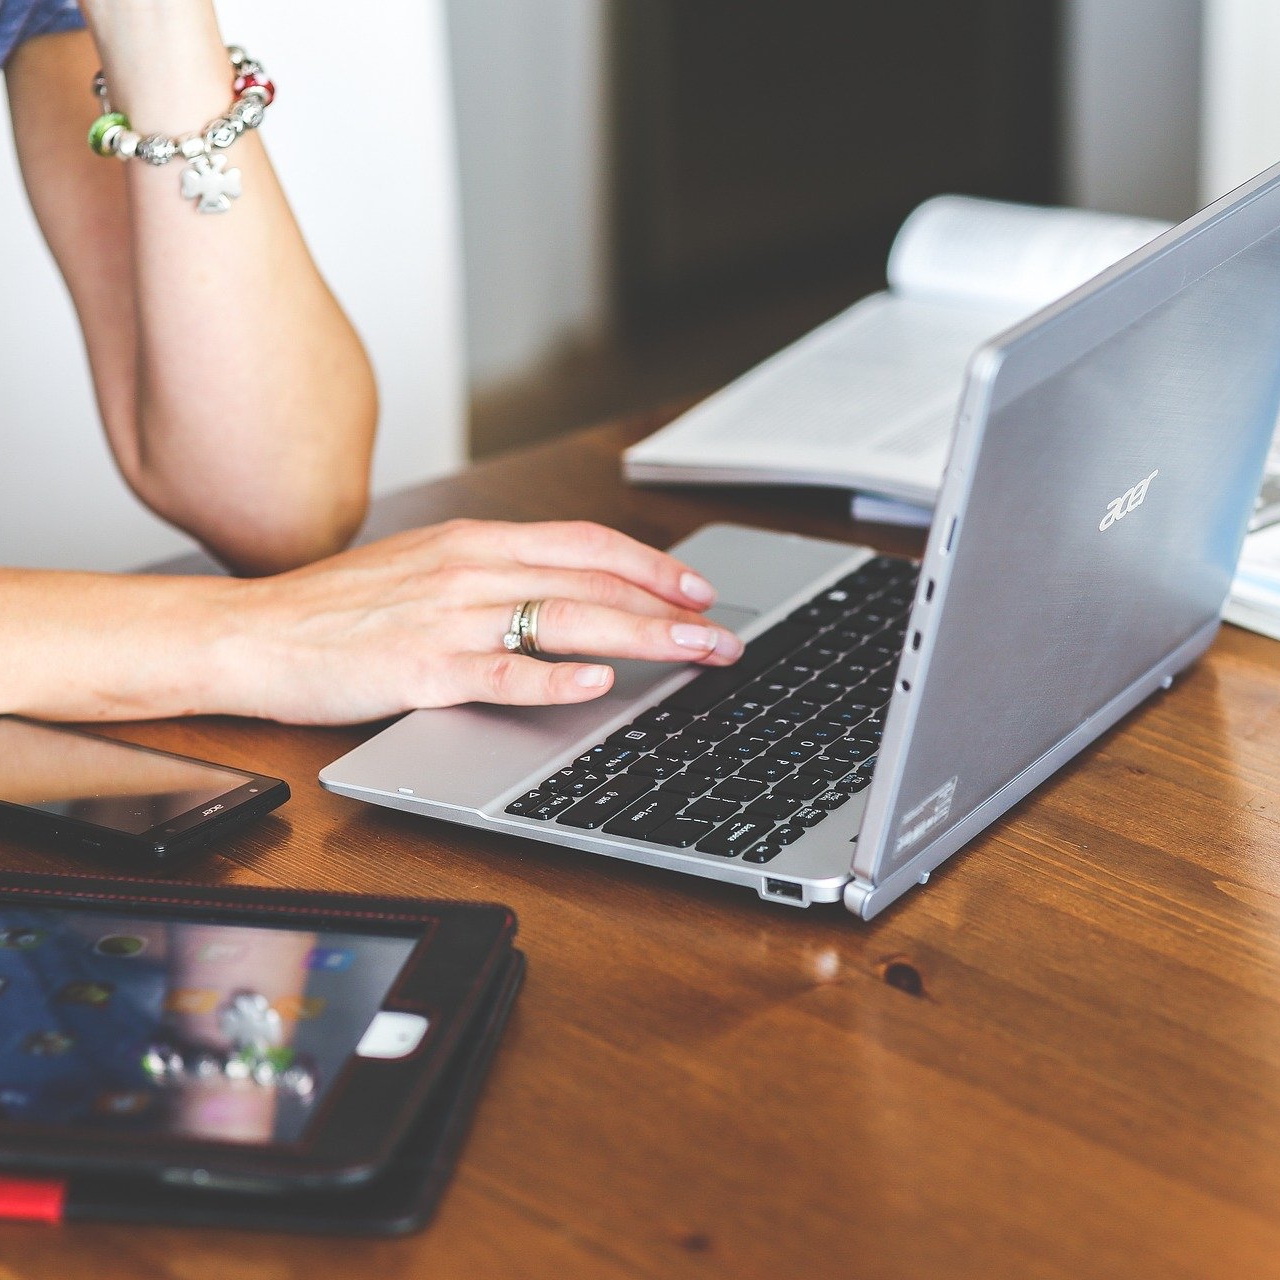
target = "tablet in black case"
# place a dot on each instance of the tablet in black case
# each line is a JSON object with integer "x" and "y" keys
{"x": 463, "y": 971}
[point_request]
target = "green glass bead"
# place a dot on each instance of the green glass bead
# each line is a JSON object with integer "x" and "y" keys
{"x": 101, "y": 126}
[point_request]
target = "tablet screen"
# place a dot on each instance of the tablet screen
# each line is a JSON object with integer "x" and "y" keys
{"x": 210, "y": 1031}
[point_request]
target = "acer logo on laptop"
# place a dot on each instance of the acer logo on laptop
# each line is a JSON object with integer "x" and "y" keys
{"x": 1126, "y": 502}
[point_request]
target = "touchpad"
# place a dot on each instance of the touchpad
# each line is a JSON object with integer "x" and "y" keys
{"x": 734, "y": 617}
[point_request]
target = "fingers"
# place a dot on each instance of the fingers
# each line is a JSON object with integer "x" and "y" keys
{"x": 576, "y": 626}
{"x": 583, "y": 545}
{"x": 471, "y": 585}
{"x": 515, "y": 680}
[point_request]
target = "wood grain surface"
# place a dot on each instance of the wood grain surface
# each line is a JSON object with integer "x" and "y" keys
{"x": 1062, "y": 1059}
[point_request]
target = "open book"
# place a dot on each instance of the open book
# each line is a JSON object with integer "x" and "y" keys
{"x": 867, "y": 401}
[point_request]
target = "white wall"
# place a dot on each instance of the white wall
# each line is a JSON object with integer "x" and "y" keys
{"x": 1132, "y": 108}
{"x": 1241, "y": 129}
{"x": 531, "y": 116}
{"x": 362, "y": 135}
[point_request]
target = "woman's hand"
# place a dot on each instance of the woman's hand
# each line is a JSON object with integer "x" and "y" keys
{"x": 417, "y": 620}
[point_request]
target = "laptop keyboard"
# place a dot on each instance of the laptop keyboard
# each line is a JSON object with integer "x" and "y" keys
{"x": 743, "y": 760}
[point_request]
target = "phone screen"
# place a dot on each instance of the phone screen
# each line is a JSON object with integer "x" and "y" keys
{"x": 207, "y": 1031}
{"x": 110, "y": 784}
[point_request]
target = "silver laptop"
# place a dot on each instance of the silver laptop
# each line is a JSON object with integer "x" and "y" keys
{"x": 1106, "y": 458}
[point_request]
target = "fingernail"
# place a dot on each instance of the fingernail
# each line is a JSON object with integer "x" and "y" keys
{"x": 591, "y": 677}
{"x": 690, "y": 636}
{"x": 728, "y": 645}
{"x": 697, "y": 588}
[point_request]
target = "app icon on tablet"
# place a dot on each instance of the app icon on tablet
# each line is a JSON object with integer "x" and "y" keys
{"x": 122, "y": 946}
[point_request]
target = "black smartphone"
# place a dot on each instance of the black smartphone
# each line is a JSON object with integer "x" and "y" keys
{"x": 88, "y": 794}
{"x": 256, "y": 1041}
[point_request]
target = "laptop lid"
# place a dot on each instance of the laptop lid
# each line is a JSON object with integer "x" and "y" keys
{"x": 1107, "y": 456}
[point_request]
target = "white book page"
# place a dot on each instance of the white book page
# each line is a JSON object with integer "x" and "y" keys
{"x": 866, "y": 401}
{"x": 1013, "y": 255}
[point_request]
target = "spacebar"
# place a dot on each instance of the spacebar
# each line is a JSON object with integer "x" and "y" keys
{"x": 762, "y": 652}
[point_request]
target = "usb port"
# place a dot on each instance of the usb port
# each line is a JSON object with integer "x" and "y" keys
{"x": 784, "y": 889}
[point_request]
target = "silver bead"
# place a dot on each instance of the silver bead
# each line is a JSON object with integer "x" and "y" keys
{"x": 249, "y": 112}
{"x": 256, "y": 93}
{"x": 299, "y": 1080}
{"x": 237, "y": 1068}
{"x": 251, "y": 67}
{"x": 191, "y": 146}
{"x": 127, "y": 144}
{"x": 100, "y": 85}
{"x": 221, "y": 132}
{"x": 157, "y": 149}
{"x": 237, "y": 55}
{"x": 206, "y": 1065}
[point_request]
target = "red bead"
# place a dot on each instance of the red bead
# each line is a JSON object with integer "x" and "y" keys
{"x": 255, "y": 82}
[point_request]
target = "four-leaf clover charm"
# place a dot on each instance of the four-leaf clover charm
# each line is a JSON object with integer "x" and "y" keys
{"x": 208, "y": 181}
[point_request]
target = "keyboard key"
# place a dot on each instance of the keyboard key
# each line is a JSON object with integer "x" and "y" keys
{"x": 607, "y": 760}
{"x": 772, "y": 728}
{"x": 795, "y": 749}
{"x": 540, "y": 804}
{"x": 666, "y": 719}
{"x": 763, "y": 850}
{"x": 680, "y": 832}
{"x": 851, "y": 750}
{"x": 801, "y": 787}
{"x": 825, "y": 692}
{"x": 797, "y": 710}
{"x": 647, "y": 813}
{"x": 768, "y": 770}
{"x": 743, "y": 747}
{"x": 710, "y": 728}
{"x": 825, "y": 769}
{"x": 771, "y": 807}
{"x": 525, "y": 803}
{"x": 732, "y": 837}
{"x": 741, "y": 789}
{"x": 788, "y": 833}
{"x": 703, "y": 692}
{"x": 720, "y": 765}
{"x": 658, "y": 767}
{"x": 821, "y": 730}
{"x": 712, "y": 810}
{"x": 606, "y": 803}
{"x": 684, "y": 747}
{"x": 740, "y": 710}
{"x": 573, "y": 782}
{"x": 636, "y": 738}
{"x": 848, "y": 714}
{"x": 808, "y": 816}
{"x": 830, "y": 799}
{"x": 766, "y": 691}
{"x": 792, "y": 674}
{"x": 692, "y": 782}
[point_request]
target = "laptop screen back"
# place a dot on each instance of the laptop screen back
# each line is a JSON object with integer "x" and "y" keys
{"x": 1113, "y": 454}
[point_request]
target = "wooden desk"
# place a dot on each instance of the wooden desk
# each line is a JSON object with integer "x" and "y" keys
{"x": 1061, "y": 1060}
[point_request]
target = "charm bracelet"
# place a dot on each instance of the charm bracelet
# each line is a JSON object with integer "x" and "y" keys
{"x": 206, "y": 179}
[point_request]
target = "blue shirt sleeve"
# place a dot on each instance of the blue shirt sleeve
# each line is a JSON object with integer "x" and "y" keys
{"x": 22, "y": 19}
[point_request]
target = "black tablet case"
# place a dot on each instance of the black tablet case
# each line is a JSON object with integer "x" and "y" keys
{"x": 399, "y": 1200}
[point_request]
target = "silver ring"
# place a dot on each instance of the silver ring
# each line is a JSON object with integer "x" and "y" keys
{"x": 529, "y": 628}
{"x": 511, "y": 640}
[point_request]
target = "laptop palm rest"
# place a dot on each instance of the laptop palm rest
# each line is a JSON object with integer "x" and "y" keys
{"x": 465, "y": 757}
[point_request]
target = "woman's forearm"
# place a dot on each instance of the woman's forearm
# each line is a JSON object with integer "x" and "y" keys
{"x": 85, "y": 646}
{"x": 237, "y": 398}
